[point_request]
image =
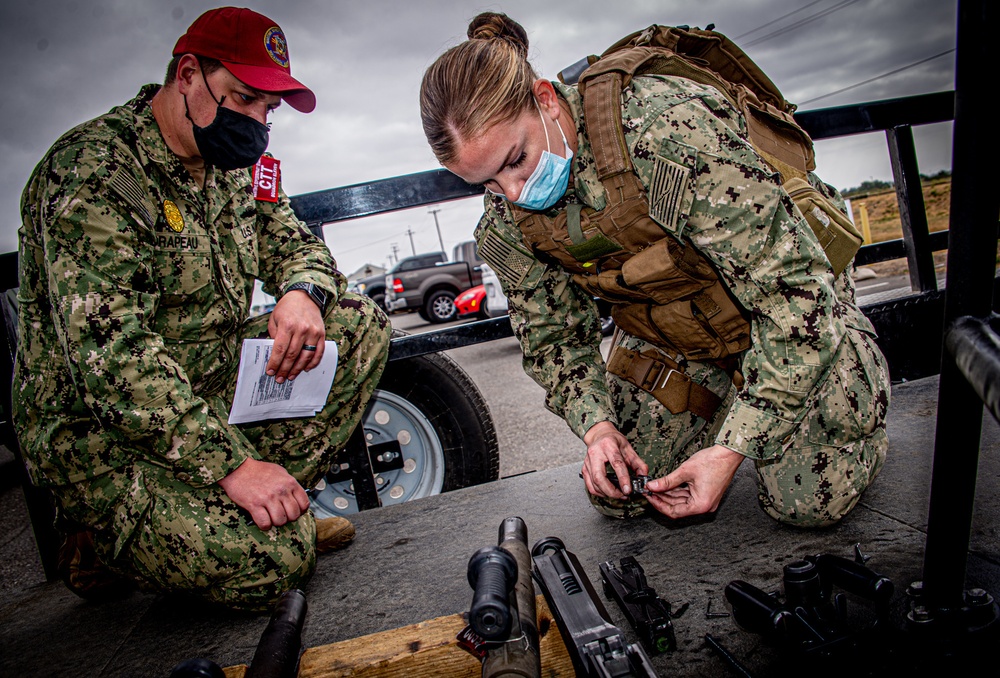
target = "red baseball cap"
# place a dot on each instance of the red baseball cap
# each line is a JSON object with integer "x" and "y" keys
{"x": 251, "y": 47}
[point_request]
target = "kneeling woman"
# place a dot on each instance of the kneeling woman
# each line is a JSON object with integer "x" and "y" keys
{"x": 735, "y": 337}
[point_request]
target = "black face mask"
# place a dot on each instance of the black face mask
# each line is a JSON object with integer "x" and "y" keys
{"x": 232, "y": 140}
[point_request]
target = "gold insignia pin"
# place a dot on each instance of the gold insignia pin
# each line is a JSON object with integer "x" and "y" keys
{"x": 174, "y": 219}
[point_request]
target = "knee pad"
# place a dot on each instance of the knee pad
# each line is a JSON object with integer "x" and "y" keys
{"x": 619, "y": 508}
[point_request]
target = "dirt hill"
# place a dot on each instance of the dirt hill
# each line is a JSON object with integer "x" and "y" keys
{"x": 882, "y": 211}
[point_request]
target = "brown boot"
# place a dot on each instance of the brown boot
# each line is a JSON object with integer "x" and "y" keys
{"x": 83, "y": 572}
{"x": 333, "y": 533}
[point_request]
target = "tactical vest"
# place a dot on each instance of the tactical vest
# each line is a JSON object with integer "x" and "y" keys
{"x": 663, "y": 291}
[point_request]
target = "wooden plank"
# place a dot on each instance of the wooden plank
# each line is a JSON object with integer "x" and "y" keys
{"x": 428, "y": 648}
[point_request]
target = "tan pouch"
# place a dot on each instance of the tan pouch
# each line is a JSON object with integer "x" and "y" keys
{"x": 839, "y": 238}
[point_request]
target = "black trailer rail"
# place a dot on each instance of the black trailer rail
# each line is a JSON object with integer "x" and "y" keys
{"x": 927, "y": 332}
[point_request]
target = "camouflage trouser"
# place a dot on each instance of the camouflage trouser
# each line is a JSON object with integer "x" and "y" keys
{"x": 196, "y": 539}
{"x": 833, "y": 456}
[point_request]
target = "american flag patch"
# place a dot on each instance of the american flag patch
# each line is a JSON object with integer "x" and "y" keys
{"x": 126, "y": 186}
{"x": 509, "y": 262}
{"x": 666, "y": 193}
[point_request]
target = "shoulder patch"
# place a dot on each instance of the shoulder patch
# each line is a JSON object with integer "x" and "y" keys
{"x": 512, "y": 263}
{"x": 666, "y": 192}
{"x": 671, "y": 189}
{"x": 125, "y": 185}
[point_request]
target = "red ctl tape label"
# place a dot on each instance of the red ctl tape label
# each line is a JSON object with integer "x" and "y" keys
{"x": 266, "y": 174}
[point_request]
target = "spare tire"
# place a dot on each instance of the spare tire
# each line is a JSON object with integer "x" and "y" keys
{"x": 443, "y": 425}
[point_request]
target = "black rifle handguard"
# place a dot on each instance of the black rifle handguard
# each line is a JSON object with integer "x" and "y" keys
{"x": 492, "y": 574}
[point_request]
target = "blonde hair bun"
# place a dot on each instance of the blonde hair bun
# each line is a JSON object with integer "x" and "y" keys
{"x": 496, "y": 26}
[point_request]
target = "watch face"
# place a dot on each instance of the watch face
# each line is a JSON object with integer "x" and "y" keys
{"x": 317, "y": 294}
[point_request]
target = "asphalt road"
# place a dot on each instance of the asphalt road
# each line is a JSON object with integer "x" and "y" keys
{"x": 531, "y": 438}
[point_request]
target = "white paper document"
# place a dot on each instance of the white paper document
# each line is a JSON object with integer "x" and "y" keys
{"x": 260, "y": 397}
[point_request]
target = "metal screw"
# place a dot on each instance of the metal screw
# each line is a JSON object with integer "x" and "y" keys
{"x": 714, "y": 615}
{"x": 977, "y": 597}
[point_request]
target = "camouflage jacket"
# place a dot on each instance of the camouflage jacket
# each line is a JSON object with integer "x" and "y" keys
{"x": 134, "y": 286}
{"x": 707, "y": 186}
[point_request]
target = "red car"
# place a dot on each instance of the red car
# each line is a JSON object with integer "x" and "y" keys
{"x": 472, "y": 303}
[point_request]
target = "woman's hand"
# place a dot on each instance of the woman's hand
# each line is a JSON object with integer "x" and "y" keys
{"x": 697, "y": 485}
{"x": 605, "y": 444}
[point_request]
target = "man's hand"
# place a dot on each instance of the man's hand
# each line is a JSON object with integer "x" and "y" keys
{"x": 295, "y": 322}
{"x": 267, "y": 491}
{"x": 697, "y": 485}
{"x": 605, "y": 444}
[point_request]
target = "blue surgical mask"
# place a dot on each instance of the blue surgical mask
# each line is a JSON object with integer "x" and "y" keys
{"x": 550, "y": 178}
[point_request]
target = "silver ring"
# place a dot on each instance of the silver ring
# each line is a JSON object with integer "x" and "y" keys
{"x": 308, "y": 347}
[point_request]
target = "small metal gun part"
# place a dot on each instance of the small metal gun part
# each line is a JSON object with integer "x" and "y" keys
{"x": 638, "y": 482}
{"x": 647, "y": 613}
{"x": 597, "y": 647}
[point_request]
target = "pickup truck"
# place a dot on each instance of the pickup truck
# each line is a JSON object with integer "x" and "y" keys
{"x": 430, "y": 285}
{"x": 373, "y": 286}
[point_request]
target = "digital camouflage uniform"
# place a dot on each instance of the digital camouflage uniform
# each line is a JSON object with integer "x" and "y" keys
{"x": 811, "y": 413}
{"x": 135, "y": 297}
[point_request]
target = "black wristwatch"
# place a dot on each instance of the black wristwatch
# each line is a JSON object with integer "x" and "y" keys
{"x": 316, "y": 293}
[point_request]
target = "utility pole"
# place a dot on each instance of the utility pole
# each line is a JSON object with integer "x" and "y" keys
{"x": 435, "y": 213}
{"x": 409, "y": 232}
{"x": 394, "y": 256}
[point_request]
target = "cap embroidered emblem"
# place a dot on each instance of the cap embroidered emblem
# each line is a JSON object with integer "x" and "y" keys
{"x": 277, "y": 48}
{"x": 174, "y": 219}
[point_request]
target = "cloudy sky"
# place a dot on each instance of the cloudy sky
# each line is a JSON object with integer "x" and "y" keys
{"x": 71, "y": 60}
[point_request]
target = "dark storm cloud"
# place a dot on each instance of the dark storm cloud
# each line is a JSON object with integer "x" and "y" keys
{"x": 364, "y": 60}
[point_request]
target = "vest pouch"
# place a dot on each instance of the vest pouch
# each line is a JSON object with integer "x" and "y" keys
{"x": 570, "y": 238}
{"x": 628, "y": 222}
{"x": 839, "y": 238}
{"x": 777, "y": 137}
{"x": 635, "y": 319}
{"x": 655, "y": 271}
{"x": 723, "y": 317}
{"x": 609, "y": 286}
{"x": 677, "y": 328}
{"x": 688, "y": 330}
{"x": 586, "y": 242}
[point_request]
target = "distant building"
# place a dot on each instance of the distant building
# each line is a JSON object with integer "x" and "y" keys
{"x": 366, "y": 271}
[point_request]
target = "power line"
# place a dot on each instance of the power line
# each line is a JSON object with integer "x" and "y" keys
{"x": 367, "y": 244}
{"x": 771, "y": 23}
{"x": 802, "y": 22}
{"x": 878, "y": 77}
